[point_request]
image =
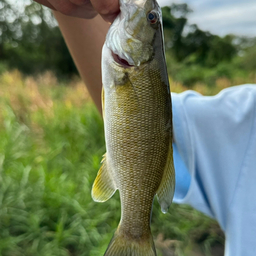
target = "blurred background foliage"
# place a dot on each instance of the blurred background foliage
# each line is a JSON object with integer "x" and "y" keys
{"x": 51, "y": 145}
{"x": 52, "y": 141}
{"x": 31, "y": 42}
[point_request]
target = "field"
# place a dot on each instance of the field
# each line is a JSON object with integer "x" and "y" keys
{"x": 51, "y": 144}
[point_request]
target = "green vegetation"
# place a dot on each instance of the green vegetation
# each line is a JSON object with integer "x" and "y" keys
{"x": 51, "y": 144}
{"x": 200, "y": 57}
{"x": 31, "y": 42}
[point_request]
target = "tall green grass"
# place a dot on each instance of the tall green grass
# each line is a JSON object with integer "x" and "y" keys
{"x": 51, "y": 144}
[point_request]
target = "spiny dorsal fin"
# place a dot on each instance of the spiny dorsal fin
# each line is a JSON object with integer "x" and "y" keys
{"x": 166, "y": 189}
{"x": 103, "y": 187}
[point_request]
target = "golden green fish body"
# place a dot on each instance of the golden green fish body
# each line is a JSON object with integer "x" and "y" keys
{"x": 138, "y": 134}
{"x": 138, "y": 127}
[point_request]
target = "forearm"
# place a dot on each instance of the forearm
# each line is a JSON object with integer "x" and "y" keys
{"x": 85, "y": 39}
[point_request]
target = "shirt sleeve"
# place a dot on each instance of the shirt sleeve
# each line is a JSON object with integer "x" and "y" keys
{"x": 212, "y": 135}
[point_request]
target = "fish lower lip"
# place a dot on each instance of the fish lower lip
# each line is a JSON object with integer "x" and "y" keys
{"x": 121, "y": 61}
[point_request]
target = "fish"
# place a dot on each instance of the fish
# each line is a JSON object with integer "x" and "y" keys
{"x": 137, "y": 114}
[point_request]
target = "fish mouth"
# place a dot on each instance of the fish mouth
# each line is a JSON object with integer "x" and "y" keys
{"x": 124, "y": 63}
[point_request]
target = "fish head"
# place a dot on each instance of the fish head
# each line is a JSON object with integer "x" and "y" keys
{"x": 132, "y": 35}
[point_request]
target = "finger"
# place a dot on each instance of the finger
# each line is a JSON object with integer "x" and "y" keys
{"x": 79, "y": 2}
{"x": 66, "y": 7}
{"x": 108, "y": 9}
{"x": 45, "y": 3}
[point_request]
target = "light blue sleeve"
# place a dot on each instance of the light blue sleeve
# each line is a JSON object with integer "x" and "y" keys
{"x": 215, "y": 160}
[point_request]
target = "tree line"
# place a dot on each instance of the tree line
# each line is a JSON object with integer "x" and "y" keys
{"x": 30, "y": 41}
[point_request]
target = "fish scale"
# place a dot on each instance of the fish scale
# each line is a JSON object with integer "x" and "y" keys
{"x": 138, "y": 127}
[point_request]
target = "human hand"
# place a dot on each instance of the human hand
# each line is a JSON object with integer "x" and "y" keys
{"x": 86, "y": 9}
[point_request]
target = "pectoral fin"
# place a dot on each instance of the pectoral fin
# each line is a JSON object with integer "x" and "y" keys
{"x": 103, "y": 186}
{"x": 166, "y": 189}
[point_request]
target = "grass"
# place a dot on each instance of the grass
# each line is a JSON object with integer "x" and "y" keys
{"x": 51, "y": 144}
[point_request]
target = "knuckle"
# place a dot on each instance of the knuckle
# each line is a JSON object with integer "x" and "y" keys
{"x": 66, "y": 8}
{"x": 80, "y": 2}
{"x": 105, "y": 7}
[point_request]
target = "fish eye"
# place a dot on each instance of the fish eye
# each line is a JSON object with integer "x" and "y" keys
{"x": 152, "y": 17}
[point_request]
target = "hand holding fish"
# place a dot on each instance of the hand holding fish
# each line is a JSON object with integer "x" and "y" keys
{"x": 86, "y": 9}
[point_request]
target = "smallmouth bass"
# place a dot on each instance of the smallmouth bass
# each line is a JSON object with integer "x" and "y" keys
{"x": 137, "y": 116}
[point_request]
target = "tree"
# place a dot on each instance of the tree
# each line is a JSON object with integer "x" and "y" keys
{"x": 30, "y": 40}
{"x": 196, "y": 46}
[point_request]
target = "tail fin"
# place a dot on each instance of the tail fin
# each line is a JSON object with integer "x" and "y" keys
{"x": 121, "y": 246}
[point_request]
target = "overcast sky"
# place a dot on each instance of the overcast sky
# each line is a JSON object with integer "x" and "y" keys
{"x": 222, "y": 16}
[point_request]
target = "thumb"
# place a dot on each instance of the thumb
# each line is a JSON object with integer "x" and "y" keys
{"x": 108, "y": 9}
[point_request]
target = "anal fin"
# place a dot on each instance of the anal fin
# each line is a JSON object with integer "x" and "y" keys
{"x": 103, "y": 187}
{"x": 166, "y": 189}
